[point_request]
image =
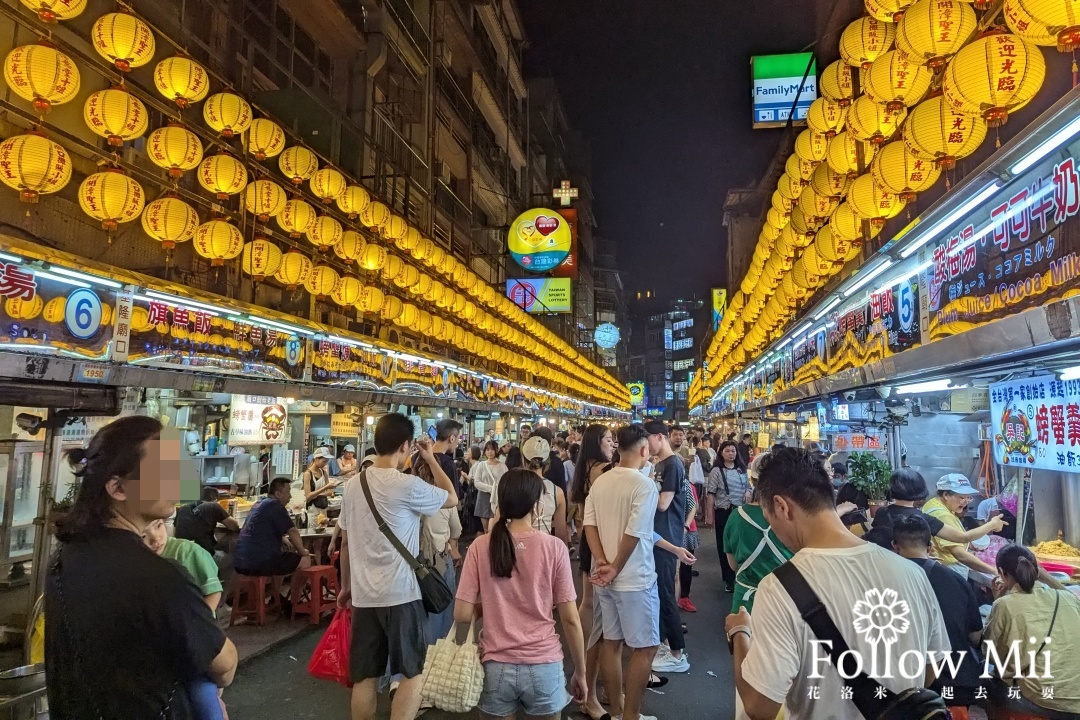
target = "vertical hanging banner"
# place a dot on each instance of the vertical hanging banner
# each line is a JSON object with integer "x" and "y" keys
{"x": 568, "y": 268}
{"x": 719, "y": 306}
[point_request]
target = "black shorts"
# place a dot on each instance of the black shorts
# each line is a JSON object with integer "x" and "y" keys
{"x": 283, "y": 564}
{"x": 585, "y": 555}
{"x": 394, "y": 634}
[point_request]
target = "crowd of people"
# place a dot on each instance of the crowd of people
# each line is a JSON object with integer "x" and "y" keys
{"x": 831, "y": 617}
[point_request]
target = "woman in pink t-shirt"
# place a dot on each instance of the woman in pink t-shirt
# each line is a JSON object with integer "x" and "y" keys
{"x": 519, "y": 574}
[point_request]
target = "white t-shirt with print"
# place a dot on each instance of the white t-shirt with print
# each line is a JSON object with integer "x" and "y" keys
{"x": 780, "y": 663}
{"x": 380, "y": 575}
{"x": 623, "y": 502}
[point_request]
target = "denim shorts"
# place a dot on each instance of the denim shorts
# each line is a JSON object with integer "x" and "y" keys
{"x": 536, "y": 690}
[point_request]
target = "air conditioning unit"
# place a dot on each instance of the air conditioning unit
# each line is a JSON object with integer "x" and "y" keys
{"x": 442, "y": 172}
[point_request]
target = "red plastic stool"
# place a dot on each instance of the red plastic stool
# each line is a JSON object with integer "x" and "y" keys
{"x": 321, "y": 583}
{"x": 249, "y": 597}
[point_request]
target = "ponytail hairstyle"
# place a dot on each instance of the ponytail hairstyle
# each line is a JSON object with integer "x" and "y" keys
{"x": 519, "y": 492}
{"x": 1019, "y": 563}
{"x": 116, "y": 451}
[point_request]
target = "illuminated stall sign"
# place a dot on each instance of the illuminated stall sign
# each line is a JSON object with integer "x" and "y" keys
{"x": 885, "y": 324}
{"x": 38, "y": 312}
{"x": 1010, "y": 255}
{"x": 1035, "y": 423}
{"x": 809, "y": 358}
{"x": 258, "y": 420}
{"x": 169, "y": 335}
{"x": 343, "y": 364}
{"x": 858, "y": 442}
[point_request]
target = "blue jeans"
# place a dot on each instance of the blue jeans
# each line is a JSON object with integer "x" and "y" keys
{"x": 538, "y": 690}
{"x": 205, "y": 702}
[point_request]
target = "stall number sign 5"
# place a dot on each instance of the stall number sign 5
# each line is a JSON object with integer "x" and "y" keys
{"x": 906, "y": 306}
{"x": 82, "y": 313}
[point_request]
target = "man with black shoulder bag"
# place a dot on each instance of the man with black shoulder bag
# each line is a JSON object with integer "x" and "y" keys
{"x": 389, "y": 590}
{"x": 846, "y": 630}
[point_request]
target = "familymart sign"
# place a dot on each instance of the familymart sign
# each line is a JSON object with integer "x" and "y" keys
{"x": 776, "y": 80}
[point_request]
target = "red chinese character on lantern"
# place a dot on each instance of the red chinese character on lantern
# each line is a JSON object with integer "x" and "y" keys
{"x": 1057, "y": 423}
{"x": 1066, "y": 191}
{"x": 1073, "y": 419}
{"x": 16, "y": 283}
{"x": 1006, "y": 84}
{"x": 159, "y": 313}
{"x": 180, "y": 317}
{"x": 1007, "y": 47}
{"x": 202, "y": 322}
{"x": 1042, "y": 425}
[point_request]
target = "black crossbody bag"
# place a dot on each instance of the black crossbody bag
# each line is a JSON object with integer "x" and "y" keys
{"x": 434, "y": 592}
{"x": 874, "y": 700}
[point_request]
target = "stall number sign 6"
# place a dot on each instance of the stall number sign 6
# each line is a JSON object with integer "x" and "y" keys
{"x": 906, "y": 307}
{"x": 82, "y": 313}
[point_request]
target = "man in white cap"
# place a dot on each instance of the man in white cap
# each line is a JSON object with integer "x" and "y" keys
{"x": 954, "y": 495}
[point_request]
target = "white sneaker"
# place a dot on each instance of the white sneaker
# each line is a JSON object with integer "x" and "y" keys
{"x": 671, "y": 664}
{"x": 640, "y": 717}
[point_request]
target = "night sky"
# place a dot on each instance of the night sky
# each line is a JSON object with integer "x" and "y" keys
{"x": 661, "y": 89}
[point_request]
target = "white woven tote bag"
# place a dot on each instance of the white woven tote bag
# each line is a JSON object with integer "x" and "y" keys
{"x": 453, "y": 674}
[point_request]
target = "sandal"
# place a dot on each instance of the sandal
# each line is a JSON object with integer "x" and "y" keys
{"x": 659, "y": 682}
{"x": 585, "y": 711}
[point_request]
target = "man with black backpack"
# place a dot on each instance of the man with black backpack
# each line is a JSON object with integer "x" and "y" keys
{"x": 839, "y": 600}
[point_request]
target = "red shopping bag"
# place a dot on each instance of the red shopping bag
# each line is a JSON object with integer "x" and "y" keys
{"x": 330, "y": 661}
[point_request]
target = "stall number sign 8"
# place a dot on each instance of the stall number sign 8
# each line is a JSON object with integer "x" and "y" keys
{"x": 82, "y": 313}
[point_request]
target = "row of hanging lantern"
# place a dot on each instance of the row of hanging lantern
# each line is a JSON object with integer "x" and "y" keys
{"x": 35, "y": 165}
{"x": 865, "y": 156}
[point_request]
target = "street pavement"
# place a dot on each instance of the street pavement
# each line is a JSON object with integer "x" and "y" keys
{"x": 276, "y": 685}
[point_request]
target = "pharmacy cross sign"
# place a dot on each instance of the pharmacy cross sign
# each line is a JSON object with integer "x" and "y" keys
{"x": 565, "y": 194}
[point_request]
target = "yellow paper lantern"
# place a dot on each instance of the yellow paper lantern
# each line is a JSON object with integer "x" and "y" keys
{"x": 872, "y": 122}
{"x": 392, "y": 267}
{"x": 350, "y": 247}
{"x": 265, "y": 139}
{"x": 391, "y": 309}
{"x": 834, "y": 249}
{"x": 789, "y": 188}
{"x": 34, "y": 165}
{"x": 437, "y": 327}
{"x": 223, "y": 175}
{"x": 42, "y": 75}
{"x": 298, "y": 164}
{"x": 181, "y": 80}
{"x": 123, "y": 39}
{"x": 297, "y": 217}
{"x": 19, "y": 308}
{"x": 227, "y": 113}
{"x": 901, "y": 173}
{"x": 424, "y": 323}
{"x": 328, "y": 184}
{"x": 458, "y": 307}
{"x": 407, "y": 277}
{"x": 436, "y": 258}
{"x": 826, "y": 117}
{"x": 422, "y": 285}
{"x": 175, "y": 149}
{"x": 374, "y": 257}
{"x": 264, "y": 199}
{"x": 347, "y": 291}
{"x": 371, "y": 300}
{"x": 934, "y": 131}
{"x": 409, "y": 316}
{"x": 170, "y": 220}
{"x": 218, "y": 241}
{"x": 811, "y": 146}
{"x": 836, "y": 83}
{"x": 116, "y": 115}
{"x": 325, "y": 233}
{"x": 846, "y": 225}
{"x": 932, "y": 31}
{"x": 260, "y": 258}
{"x": 777, "y": 219}
{"x": 806, "y": 277}
{"x": 435, "y": 294}
{"x": 865, "y": 40}
{"x": 374, "y": 215}
{"x": 49, "y": 11}
{"x": 897, "y": 81}
{"x": 798, "y": 168}
{"x": 410, "y": 239}
{"x": 322, "y": 282}
{"x": 993, "y": 76}
{"x": 829, "y": 183}
{"x": 887, "y": 10}
{"x": 352, "y": 200}
{"x": 294, "y": 271}
{"x": 849, "y": 156}
{"x": 869, "y": 200}
{"x": 111, "y": 198}
{"x": 55, "y": 310}
{"x": 1045, "y": 22}
{"x": 817, "y": 207}
{"x": 395, "y": 227}
{"x": 780, "y": 203}
{"x": 423, "y": 250}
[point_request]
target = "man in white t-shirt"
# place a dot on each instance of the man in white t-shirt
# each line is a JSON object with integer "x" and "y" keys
{"x": 882, "y": 604}
{"x": 387, "y": 614}
{"x": 619, "y": 514}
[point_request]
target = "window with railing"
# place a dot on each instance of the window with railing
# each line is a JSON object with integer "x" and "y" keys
{"x": 489, "y": 62}
{"x": 293, "y": 49}
{"x": 454, "y": 95}
{"x": 403, "y": 13}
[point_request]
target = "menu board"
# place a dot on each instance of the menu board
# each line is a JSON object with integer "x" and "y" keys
{"x": 258, "y": 420}
{"x": 1035, "y": 423}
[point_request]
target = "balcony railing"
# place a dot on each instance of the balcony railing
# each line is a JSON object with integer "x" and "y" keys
{"x": 398, "y": 151}
{"x": 452, "y": 206}
{"x": 410, "y": 25}
{"x": 488, "y": 150}
{"x": 454, "y": 95}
